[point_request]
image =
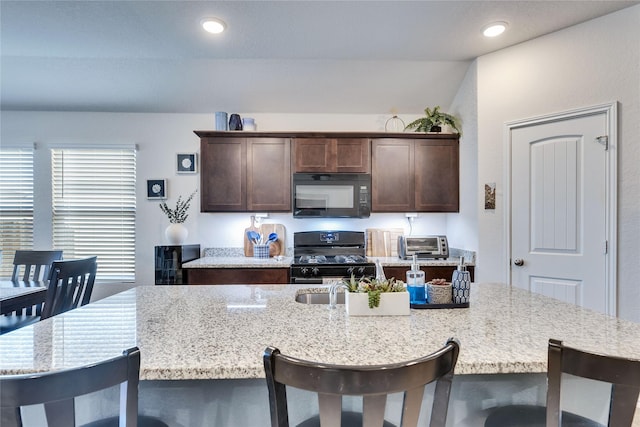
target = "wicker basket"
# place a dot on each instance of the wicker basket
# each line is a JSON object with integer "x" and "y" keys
{"x": 439, "y": 294}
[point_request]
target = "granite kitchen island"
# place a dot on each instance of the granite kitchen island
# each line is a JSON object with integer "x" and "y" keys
{"x": 202, "y": 346}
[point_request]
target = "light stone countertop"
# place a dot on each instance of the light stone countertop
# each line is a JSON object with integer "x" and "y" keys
{"x": 250, "y": 262}
{"x": 238, "y": 262}
{"x": 220, "y": 332}
{"x": 397, "y": 262}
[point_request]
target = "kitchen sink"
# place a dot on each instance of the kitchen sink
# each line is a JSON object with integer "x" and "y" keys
{"x": 318, "y": 298}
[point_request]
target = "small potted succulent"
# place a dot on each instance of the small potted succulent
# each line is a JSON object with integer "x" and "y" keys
{"x": 176, "y": 232}
{"x": 371, "y": 297}
{"x": 434, "y": 120}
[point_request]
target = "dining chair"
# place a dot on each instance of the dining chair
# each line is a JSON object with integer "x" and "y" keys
{"x": 372, "y": 382}
{"x": 33, "y": 265}
{"x": 56, "y": 390}
{"x": 622, "y": 373}
{"x": 70, "y": 285}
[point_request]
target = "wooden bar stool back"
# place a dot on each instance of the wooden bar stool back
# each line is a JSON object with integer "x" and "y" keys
{"x": 57, "y": 390}
{"x": 373, "y": 383}
{"x": 623, "y": 374}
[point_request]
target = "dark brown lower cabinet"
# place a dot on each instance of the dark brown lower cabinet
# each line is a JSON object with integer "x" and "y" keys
{"x": 233, "y": 276}
{"x": 430, "y": 272}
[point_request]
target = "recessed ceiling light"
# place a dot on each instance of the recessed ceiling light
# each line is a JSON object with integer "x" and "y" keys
{"x": 494, "y": 29}
{"x": 213, "y": 25}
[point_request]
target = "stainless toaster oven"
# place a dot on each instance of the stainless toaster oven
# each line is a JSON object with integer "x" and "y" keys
{"x": 423, "y": 247}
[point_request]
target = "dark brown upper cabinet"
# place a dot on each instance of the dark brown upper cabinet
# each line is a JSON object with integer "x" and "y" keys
{"x": 347, "y": 155}
{"x": 415, "y": 174}
{"x": 245, "y": 174}
{"x": 251, "y": 171}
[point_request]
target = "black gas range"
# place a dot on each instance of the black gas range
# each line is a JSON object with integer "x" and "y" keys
{"x": 323, "y": 256}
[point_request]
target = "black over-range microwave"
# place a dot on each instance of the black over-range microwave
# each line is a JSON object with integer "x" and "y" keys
{"x": 331, "y": 195}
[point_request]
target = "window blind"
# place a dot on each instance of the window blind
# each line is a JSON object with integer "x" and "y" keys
{"x": 16, "y": 204}
{"x": 94, "y": 208}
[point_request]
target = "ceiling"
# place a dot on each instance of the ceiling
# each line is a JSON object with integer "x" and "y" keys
{"x": 367, "y": 57}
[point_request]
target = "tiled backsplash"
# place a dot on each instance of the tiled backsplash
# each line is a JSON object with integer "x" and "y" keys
{"x": 469, "y": 256}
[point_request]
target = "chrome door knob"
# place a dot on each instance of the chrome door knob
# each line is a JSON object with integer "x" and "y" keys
{"x": 519, "y": 262}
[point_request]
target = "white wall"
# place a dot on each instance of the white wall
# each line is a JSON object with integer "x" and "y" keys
{"x": 159, "y": 137}
{"x": 588, "y": 64}
{"x": 462, "y": 227}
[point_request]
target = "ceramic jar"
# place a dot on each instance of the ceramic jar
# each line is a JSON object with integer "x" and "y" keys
{"x": 248, "y": 124}
{"x": 439, "y": 294}
{"x": 176, "y": 234}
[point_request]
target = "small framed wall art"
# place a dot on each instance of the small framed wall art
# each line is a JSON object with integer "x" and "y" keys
{"x": 490, "y": 196}
{"x": 186, "y": 163}
{"x": 156, "y": 189}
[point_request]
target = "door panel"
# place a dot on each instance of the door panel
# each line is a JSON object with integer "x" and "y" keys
{"x": 554, "y": 196}
{"x": 558, "y": 210}
{"x": 565, "y": 290}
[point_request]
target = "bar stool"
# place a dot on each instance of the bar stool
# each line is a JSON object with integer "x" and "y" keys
{"x": 57, "y": 390}
{"x": 623, "y": 374}
{"x": 373, "y": 383}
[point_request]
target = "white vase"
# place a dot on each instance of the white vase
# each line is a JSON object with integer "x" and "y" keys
{"x": 391, "y": 304}
{"x": 176, "y": 233}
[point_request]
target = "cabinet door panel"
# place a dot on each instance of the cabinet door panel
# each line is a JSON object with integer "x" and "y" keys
{"x": 392, "y": 176}
{"x": 345, "y": 155}
{"x": 222, "y": 177}
{"x": 230, "y": 276}
{"x": 268, "y": 174}
{"x": 353, "y": 155}
{"x": 314, "y": 155}
{"x": 437, "y": 176}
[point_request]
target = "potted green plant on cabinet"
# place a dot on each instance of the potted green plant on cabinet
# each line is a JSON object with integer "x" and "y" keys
{"x": 434, "y": 120}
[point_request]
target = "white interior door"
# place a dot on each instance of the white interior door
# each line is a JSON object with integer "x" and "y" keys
{"x": 559, "y": 200}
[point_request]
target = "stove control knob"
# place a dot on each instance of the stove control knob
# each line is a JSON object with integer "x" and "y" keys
{"x": 350, "y": 271}
{"x": 361, "y": 271}
{"x": 315, "y": 271}
{"x": 304, "y": 271}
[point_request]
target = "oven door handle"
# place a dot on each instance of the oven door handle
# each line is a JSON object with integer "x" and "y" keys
{"x": 306, "y": 280}
{"x": 316, "y": 280}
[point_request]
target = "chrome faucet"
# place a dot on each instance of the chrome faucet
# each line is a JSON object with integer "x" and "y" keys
{"x": 333, "y": 293}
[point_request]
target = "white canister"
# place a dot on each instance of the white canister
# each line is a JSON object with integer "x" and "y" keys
{"x": 222, "y": 121}
{"x": 248, "y": 123}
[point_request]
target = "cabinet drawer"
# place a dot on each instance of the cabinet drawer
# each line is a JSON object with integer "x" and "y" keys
{"x": 232, "y": 276}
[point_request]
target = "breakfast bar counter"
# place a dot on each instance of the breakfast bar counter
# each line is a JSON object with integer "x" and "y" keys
{"x": 221, "y": 331}
{"x": 188, "y": 334}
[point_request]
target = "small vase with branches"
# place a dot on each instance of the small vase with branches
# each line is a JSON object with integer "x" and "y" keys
{"x": 180, "y": 214}
{"x": 176, "y": 232}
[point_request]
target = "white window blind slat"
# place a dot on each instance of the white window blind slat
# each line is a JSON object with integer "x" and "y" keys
{"x": 94, "y": 208}
{"x": 16, "y": 204}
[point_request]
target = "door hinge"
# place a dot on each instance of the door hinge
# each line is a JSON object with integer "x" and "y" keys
{"x": 603, "y": 140}
{"x": 606, "y": 247}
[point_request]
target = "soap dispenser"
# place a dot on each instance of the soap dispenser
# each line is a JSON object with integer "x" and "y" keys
{"x": 415, "y": 283}
{"x": 380, "y": 277}
{"x": 461, "y": 284}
